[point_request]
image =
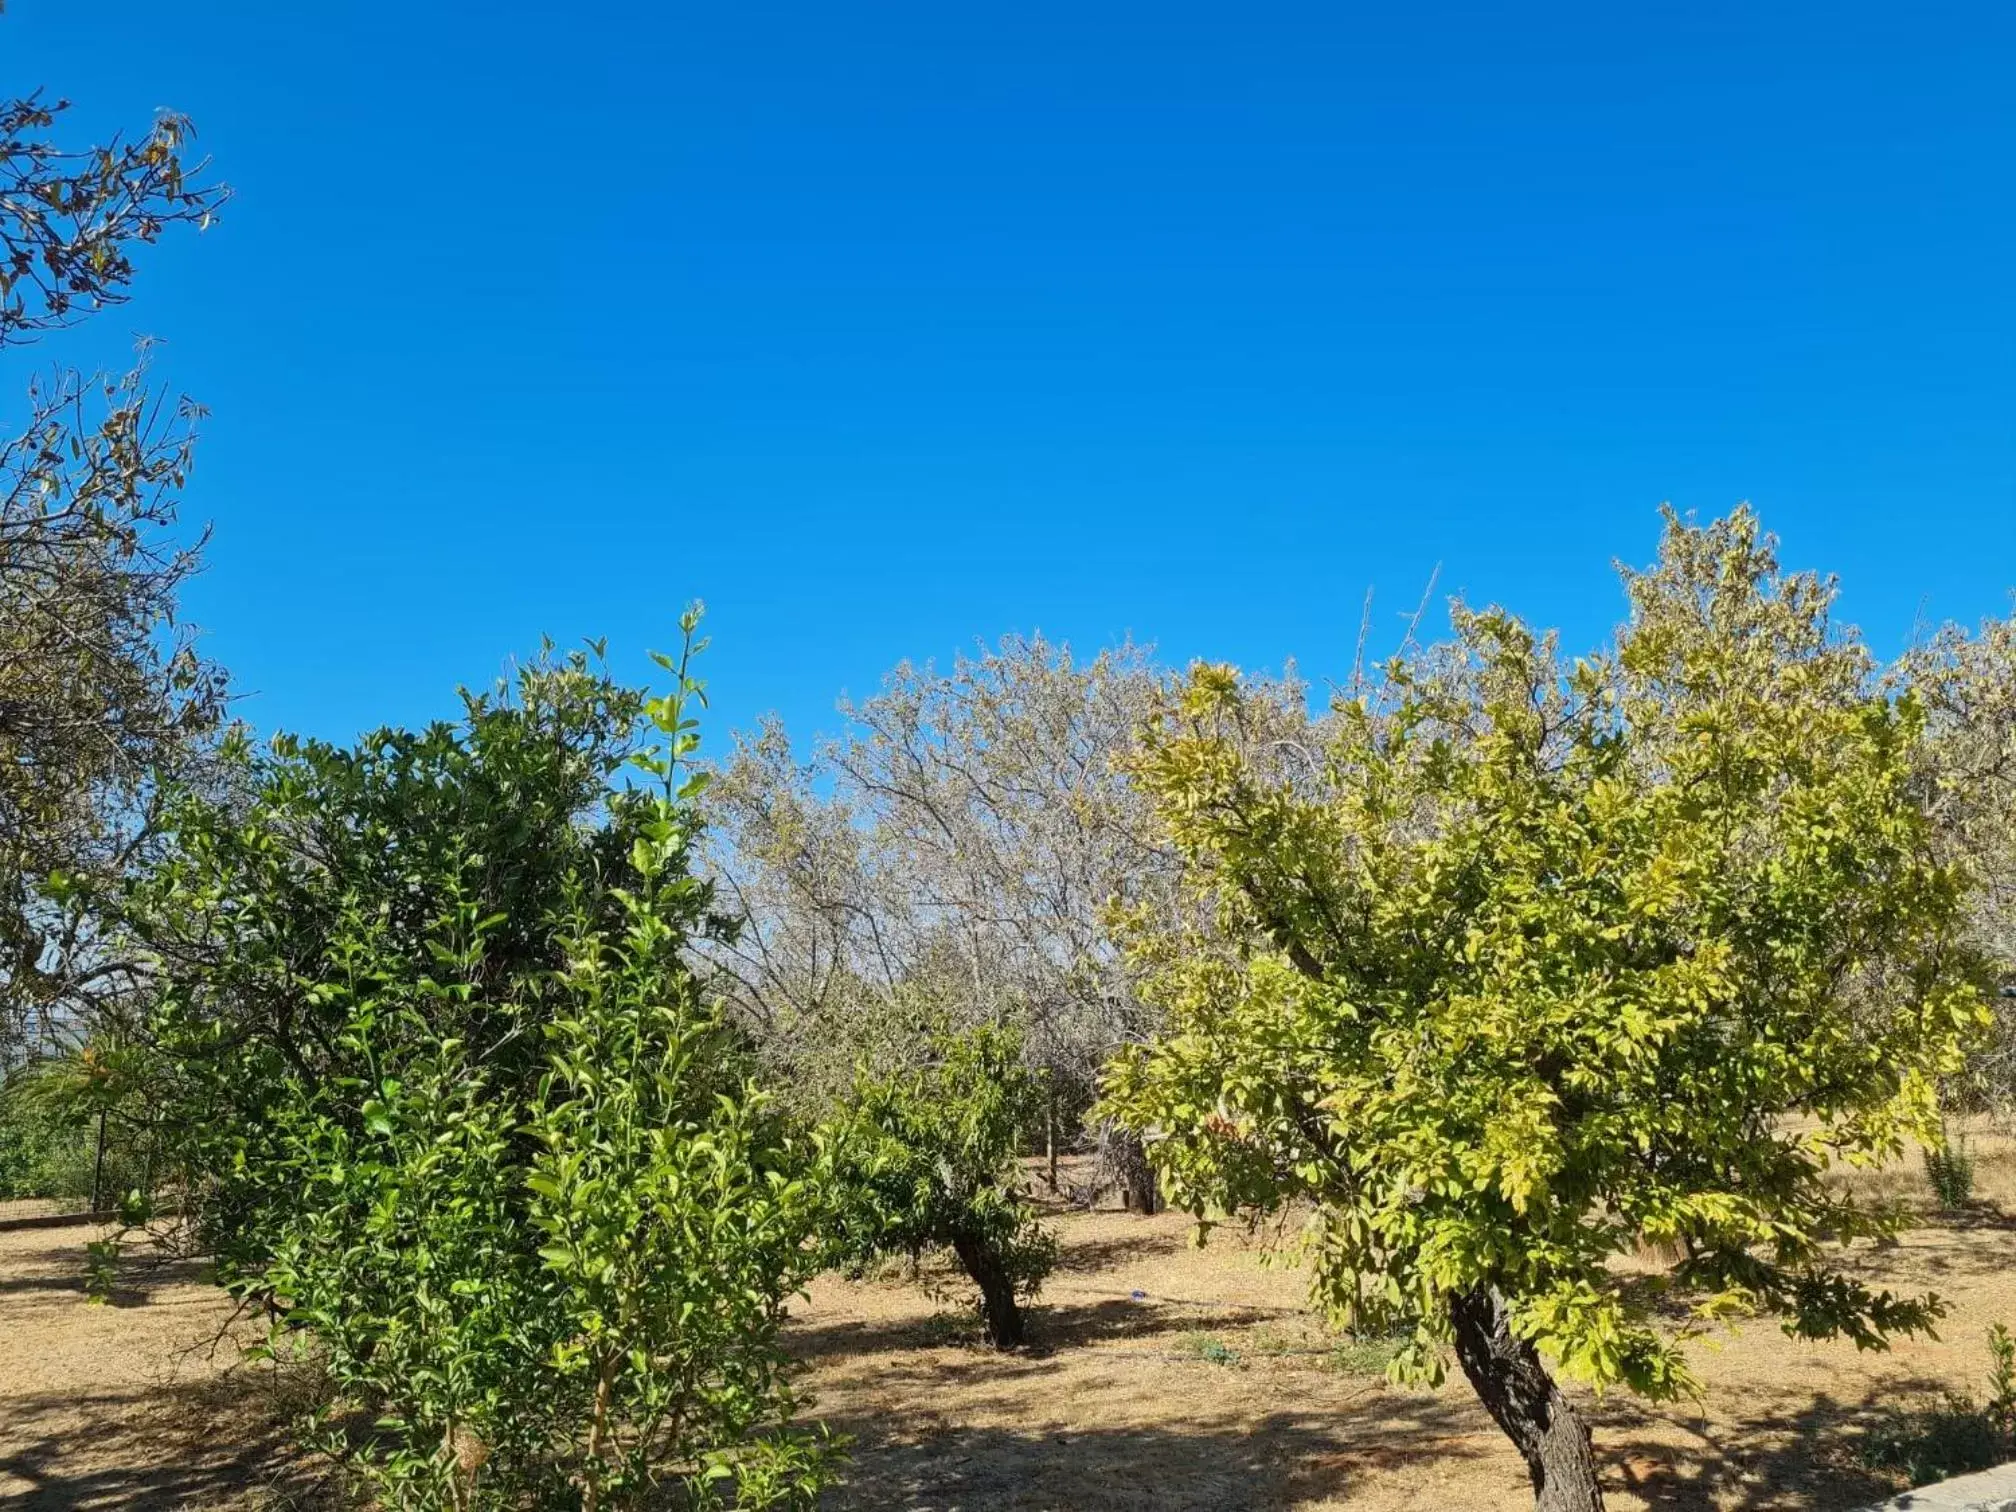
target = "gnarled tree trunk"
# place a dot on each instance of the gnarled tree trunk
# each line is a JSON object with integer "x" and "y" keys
{"x": 1513, "y": 1383}
{"x": 1124, "y": 1160}
{"x": 1003, "y": 1317}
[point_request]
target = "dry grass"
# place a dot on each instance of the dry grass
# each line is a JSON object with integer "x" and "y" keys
{"x": 135, "y": 1403}
{"x": 1214, "y": 1388}
{"x": 1217, "y": 1389}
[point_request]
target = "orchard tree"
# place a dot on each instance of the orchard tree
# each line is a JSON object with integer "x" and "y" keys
{"x": 961, "y": 844}
{"x": 462, "y": 1119}
{"x": 1967, "y": 684}
{"x": 101, "y": 691}
{"x": 966, "y": 831}
{"x": 385, "y": 853}
{"x": 1547, "y": 963}
{"x": 924, "y": 1158}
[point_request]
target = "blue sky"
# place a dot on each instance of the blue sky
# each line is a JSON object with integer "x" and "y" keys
{"x": 884, "y": 327}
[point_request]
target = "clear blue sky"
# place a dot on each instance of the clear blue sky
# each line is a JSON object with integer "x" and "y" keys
{"x": 883, "y": 327}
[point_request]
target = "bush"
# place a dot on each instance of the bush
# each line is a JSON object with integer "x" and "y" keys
{"x": 1950, "y": 1168}
{"x": 41, "y": 1155}
{"x": 1208, "y": 1348}
{"x": 50, "y": 1126}
{"x": 465, "y": 1123}
{"x": 925, "y": 1158}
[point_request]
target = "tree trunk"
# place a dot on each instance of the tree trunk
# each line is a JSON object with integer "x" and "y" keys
{"x": 598, "y": 1425}
{"x": 998, "y": 1307}
{"x": 1126, "y": 1161}
{"x": 98, "y": 1169}
{"x": 1512, "y": 1382}
{"x": 1050, "y": 1138}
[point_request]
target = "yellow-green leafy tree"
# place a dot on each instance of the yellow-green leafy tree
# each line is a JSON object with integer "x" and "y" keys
{"x": 1533, "y": 965}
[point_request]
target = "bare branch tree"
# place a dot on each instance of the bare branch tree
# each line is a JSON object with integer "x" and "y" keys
{"x": 1966, "y": 683}
{"x": 958, "y": 852}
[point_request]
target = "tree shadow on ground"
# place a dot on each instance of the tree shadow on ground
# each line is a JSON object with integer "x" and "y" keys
{"x": 1055, "y": 1325}
{"x": 1052, "y": 1326}
{"x": 1943, "y": 1245}
{"x": 62, "y": 1275}
{"x": 1280, "y": 1461}
{"x": 1797, "y": 1454}
{"x": 218, "y": 1442}
{"x": 1105, "y": 1254}
{"x": 1790, "y": 1451}
{"x": 964, "y": 1430}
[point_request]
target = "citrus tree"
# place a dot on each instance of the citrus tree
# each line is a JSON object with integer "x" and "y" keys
{"x": 463, "y": 1121}
{"x": 1535, "y": 965}
{"x": 924, "y": 1158}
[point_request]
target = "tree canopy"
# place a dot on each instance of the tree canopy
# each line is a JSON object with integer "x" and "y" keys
{"x": 101, "y": 691}
{"x": 457, "y": 1113}
{"x": 1538, "y": 963}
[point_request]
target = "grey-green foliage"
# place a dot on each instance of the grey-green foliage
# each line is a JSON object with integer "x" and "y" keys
{"x": 1966, "y": 681}
{"x": 953, "y": 856}
{"x": 461, "y": 1116}
{"x": 101, "y": 688}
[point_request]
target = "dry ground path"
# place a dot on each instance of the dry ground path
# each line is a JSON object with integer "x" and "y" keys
{"x": 1212, "y": 1389}
{"x": 126, "y": 1403}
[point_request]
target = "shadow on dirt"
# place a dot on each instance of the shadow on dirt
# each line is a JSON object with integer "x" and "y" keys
{"x": 1788, "y": 1452}
{"x": 1280, "y": 1461}
{"x": 216, "y": 1442}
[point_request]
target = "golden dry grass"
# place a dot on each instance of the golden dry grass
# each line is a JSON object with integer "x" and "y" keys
{"x": 1213, "y": 1389}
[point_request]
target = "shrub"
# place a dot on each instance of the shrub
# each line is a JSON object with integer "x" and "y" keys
{"x": 925, "y": 1157}
{"x": 86, "y": 1119}
{"x": 675, "y": 1210}
{"x": 42, "y": 1153}
{"x": 469, "y": 1129}
{"x": 1208, "y": 1348}
{"x": 1950, "y": 1168}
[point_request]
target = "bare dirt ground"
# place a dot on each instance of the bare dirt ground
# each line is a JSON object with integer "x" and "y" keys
{"x": 1214, "y": 1388}
{"x": 125, "y": 1404}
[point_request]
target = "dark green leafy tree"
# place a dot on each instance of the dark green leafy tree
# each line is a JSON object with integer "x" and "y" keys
{"x": 1537, "y": 964}
{"x": 925, "y": 1158}
{"x": 675, "y": 1201}
{"x": 467, "y": 1128}
{"x": 433, "y": 871}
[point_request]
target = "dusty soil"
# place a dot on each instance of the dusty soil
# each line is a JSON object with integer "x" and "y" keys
{"x": 1215, "y": 1388}
{"x": 126, "y": 1403}
{"x": 1212, "y": 1388}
